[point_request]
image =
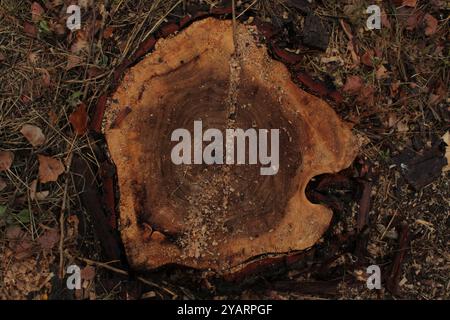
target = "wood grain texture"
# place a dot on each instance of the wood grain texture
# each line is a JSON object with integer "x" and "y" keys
{"x": 175, "y": 214}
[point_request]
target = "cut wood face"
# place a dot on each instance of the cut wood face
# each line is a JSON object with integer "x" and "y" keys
{"x": 218, "y": 217}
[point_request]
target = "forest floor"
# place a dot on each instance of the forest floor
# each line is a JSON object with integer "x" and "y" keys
{"x": 394, "y": 83}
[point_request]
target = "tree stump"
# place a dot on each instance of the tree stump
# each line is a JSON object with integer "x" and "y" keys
{"x": 218, "y": 217}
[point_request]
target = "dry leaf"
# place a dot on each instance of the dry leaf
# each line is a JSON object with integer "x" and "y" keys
{"x": 88, "y": 273}
{"x": 394, "y": 88}
{"x": 367, "y": 95}
{"x": 72, "y": 228}
{"x": 2, "y": 57}
{"x": 347, "y": 29}
{"x": 3, "y": 185}
{"x": 108, "y": 32}
{"x": 94, "y": 72}
{"x": 353, "y": 85}
{"x": 367, "y": 58}
{"x": 85, "y": 3}
{"x": 58, "y": 28}
{"x": 79, "y": 119}
{"x": 385, "y": 20}
{"x": 36, "y": 12}
{"x": 446, "y": 138}
{"x": 52, "y": 4}
{"x": 30, "y": 29}
{"x": 53, "y": 117}
{"x": 402, "y": 126}
{"x": 14, "y": 233}
{"x": 33, "y": 134}
{"x": 431, "y": 24}
{"x": 45, "y": 78}
{"x": 19, "y": 242}
{"x": 355, "y": 57}
{"x": 381, "y": 73}
{"x": 6, "y": 160}
{"x": 49, "y": 169}
{"x": 34, "y": 195}
{"x": 33, "y": 58}
{"x": 73, "y": 61}
{"x": 48, "y": 239}
{"x": 79, "y": 46}
{"x": 438, "y": 95}
{"x": 414, "y": 20}
{"x": 409, "y": 3}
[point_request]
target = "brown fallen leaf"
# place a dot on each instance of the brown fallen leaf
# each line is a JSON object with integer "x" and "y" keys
{"x": 58, "y": 28}
{"x": 52, "y": 4}
{"x": 3, "y": 185}
{"x": 385, "y": 20}
{"x": 86, "y": 3}
{"x": 46, "y": 82}
{"x": 81, "y": 42}
{"x": 431, "y": 24}
{"x": 402, "y": 126}
{"x": 72, "y": 228}
{"x": 53, "y": 117}
{"x": 414, "y": 20}
{"x": 394, "y": 88}
{"x": 49, "y": 169}
{"x": 353, "y": 85}
{"x": 19, "y": 242}
{"x": 367, "y": 95}
{"x": 33, "y": 134}
{"x": 438, "y": 95}
{"x": 49, "y": 239}
{"x": 94, "y": 72}
{"x": 6, "y": 160}
{"x": 2, "y": 57}
{"x": 381, "y": 73}
{"x": 108, "y": 33}
{"x": 355, "y": 56}
{"x": 347, "y": 29}
{"x": 30, "y": 29}
{"x": 88, "y": 273}
{"x": 73, "y": 61}
{"x": 367, "y": 58}
{"x": 14, "y": 233}
{"x": 34, "y": 195}
{"x": 78, "y": 47}
{"x": 36, "y": 12}
{"x": 33, "y": 58}
{"x": 409, "y": 3}
{"x": 79, "y": 119}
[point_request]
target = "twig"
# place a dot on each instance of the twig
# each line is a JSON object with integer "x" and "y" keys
{"x": 125, "y": 273}
{"x": 364, "y": 206}
{"x": 246, "y": 9}
{"x": 62, "y": 212}
{"x": 394, "y": 277}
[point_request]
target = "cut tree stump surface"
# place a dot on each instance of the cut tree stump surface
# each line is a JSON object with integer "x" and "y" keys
{"x": 218, "y": 217}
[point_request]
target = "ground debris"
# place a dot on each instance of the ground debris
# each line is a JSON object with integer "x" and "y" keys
{"x": 315, "y": 35}
{"x": 421, "y": 169}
